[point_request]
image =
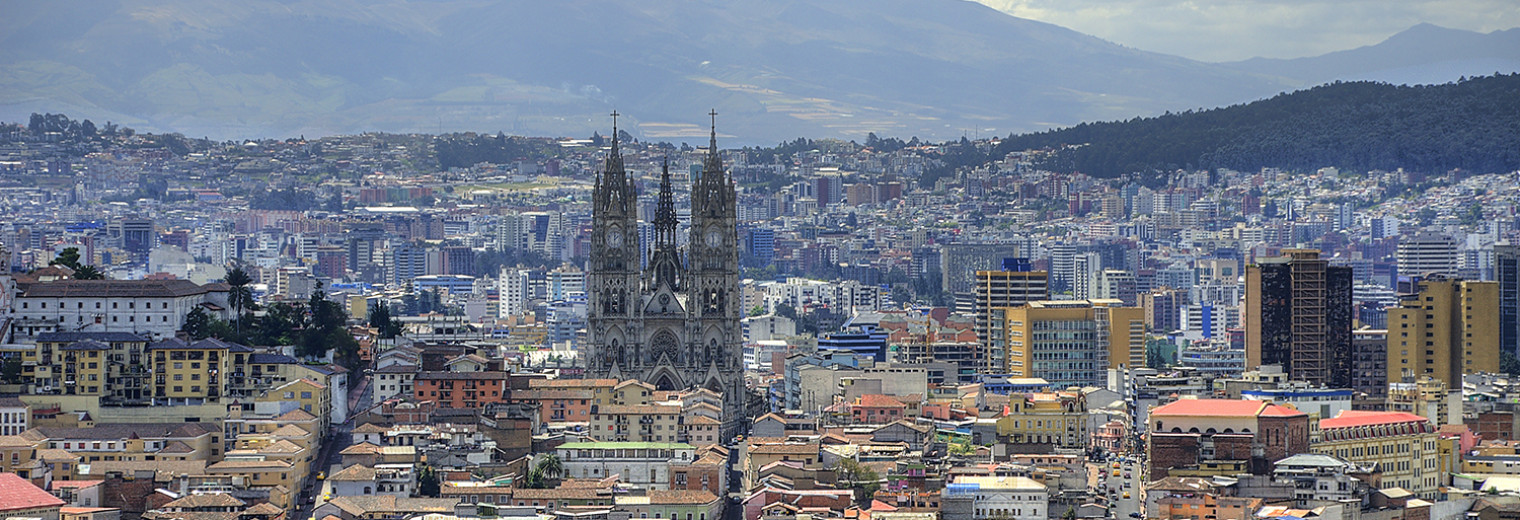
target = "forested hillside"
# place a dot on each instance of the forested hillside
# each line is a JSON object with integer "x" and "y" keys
{"x": 1472, "y": 124}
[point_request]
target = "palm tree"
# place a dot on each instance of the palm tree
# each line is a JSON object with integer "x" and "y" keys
{"x": 88, "y": 272}
{"x": 550, "y": 466}
{"x": 240, "y": 297}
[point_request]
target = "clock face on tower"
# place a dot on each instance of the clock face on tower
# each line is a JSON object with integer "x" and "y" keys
{"x": 614, "y": 237}
{"x": 714, "y": 238}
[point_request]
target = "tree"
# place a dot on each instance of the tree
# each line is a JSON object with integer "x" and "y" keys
{"x": 240, "y": 296}
{"x": 380, "y": 319}
{"x": 197, "y": 324}
{"x": 786, "y": 311}
{"x": 68, "y": 258}
{"x": 550, "y": 466}
{"x": 1508, "y": 363}
{"x": 859, "y": 477}
{"x": 10, "y": 372}
{"x": 1154, "y": 355}
{"x": 427, "y": 482}
{"x": 88, "y": 272}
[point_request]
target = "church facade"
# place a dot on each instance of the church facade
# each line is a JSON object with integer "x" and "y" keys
{"x": 675, "y": 323}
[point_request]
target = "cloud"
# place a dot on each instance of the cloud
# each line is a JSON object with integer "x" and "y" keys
{"x": 1228, "y": 30}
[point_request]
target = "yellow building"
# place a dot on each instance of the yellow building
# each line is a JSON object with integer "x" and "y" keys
{"x": 195, "y": 372}
{"x": 997, "y": 291}
{"x": 133, "y": 442}
{"x": 309, "y": 396}
{"x": 19, "y": 455}
{"x": 1428, "y": 397}
{"x": 259, "y": 473}
{"x": 1046, "y": 418}
{"x": 1072, "y": 342}
{"x": 1403, "y": 446}
{"x": 110, "y": 365}
{"x": 1447, "y": 329}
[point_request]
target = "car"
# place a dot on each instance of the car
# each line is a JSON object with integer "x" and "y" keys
{"x": 1116, "y": 465}
{"x": 1126, "y": 494}
{"x": 1126, "y": 474}
{"x": 1116, "y": 473}
{"x": 1135, "y": 515}
{"x": 321, "y": 475}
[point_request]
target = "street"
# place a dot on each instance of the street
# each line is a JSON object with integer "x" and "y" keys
{"x": 1129, "y": 480}
{"x": 330, "y": 455}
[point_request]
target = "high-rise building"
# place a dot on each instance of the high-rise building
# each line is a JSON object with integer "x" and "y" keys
{"x": 1016, "y": 284}
{"x": 137, "y": 235}
{"x": 512, "y": 292}
{"x": 1085, "y": 270}
{"x": 673, "y": 324}
{"x": 762, "y": 246}
{"x": 1447, "y": 329}
{"x": 1163, "y": 309}
{"x": 1073, "y": 342}
{"x": 1427, "y": 253}
{"x": 960, "y": 262}
{"x": 1298, "y": 316}
{"x": 1116, "y": 284}
{"x": 1369, "y": 365}
{"x": 1507, "y": 274}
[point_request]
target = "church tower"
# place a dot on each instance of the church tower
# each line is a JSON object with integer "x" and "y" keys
{"x": 674, "y": 325}
{"x": 713, "y": 287}
{"x": 613, "y": 276}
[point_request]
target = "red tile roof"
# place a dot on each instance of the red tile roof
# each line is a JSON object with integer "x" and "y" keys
{"x": 879, "y": 401}
{"x": 1354, "y": 418}
{"x": 18, "y": 494}
{"x": 1225, "y": 408}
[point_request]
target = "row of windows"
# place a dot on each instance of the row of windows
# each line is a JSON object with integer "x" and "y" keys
{"x": 80, "y": 305}
{"x": 98, "y": 320}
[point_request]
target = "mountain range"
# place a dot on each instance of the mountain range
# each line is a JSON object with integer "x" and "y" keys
{"x": 773, "y": 70}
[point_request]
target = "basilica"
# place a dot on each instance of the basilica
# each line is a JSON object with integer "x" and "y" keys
{"x": 675, "y": 323}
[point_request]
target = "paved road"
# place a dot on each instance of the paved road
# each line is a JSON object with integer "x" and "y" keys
{"x": 1122, "y": 507}
{"x": 330, "y": 455}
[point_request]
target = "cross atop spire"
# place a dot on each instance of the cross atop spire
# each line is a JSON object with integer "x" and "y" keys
{"x": 614, "y": 131}
{"x": 713, "y": 147}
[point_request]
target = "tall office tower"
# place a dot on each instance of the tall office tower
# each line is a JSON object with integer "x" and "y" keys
{"x": 960, "y": 262}
{"x": 1383, "y": 227}
{"x": 1427, "y": 253}
{"x": 1163, "y": 309}
{"x": 761, "y": 245}
{"x": 1116, "y": 284}
{"x": 1448, "y": 328}
{"x": 1085, "y": 268}
{"x": 1060, "y": 265}
{"x": 1507, "y": 274}
{"x": 1369, "y": 367}
{"x": 1016, "y": 284}
{"x": 407, "y": 260}
{"x": 1298, "y": 315}
{"x": 137, "y": 235}
{"x": 512, "y": 292}
{"x": 1073, "y": 342}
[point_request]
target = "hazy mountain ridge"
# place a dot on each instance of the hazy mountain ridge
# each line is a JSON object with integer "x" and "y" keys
{"x": 1357, "y": 126}
{"x": 775, "y": 70}
{"x": 1422, "y": 54}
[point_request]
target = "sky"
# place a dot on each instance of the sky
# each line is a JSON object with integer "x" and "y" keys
{"x": 1230, "y": 30}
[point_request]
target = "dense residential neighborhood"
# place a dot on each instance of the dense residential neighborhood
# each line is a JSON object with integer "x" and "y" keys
{"x": 397, "y": 327}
